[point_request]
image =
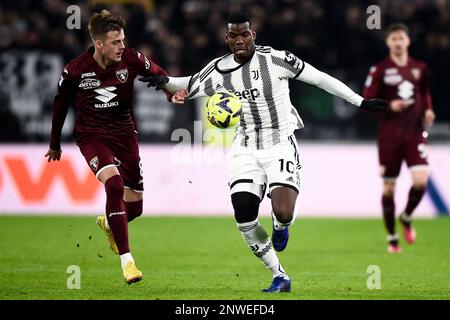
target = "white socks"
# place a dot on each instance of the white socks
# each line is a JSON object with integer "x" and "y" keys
{"x": 125, "y": 258}
{"x": 280, "y": 226}
{"x": 392, "y": 237}
{"x": 259, "y": 242}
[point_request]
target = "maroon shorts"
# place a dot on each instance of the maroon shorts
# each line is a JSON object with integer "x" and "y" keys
{"x": 413, "y": 150}
{"x": 101, "y": 154}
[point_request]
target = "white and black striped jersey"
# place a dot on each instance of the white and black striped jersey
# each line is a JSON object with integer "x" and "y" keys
{"x": 262, "y": 85}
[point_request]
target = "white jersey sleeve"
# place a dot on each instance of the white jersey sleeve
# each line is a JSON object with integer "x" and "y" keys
{"x": 195, "y": 84}
{"x": 332, "y": 85}
{"x": 287, "y": 64}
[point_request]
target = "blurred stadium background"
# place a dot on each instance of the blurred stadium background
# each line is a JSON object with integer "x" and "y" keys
{"x": 337, "y": 145}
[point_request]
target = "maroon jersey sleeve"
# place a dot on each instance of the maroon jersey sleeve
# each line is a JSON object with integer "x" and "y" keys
{"x": 146, "y": 68}
{"x": 425, "y": 89}
{"x": 373, "y": 83}
{"x": 63, "y": 98}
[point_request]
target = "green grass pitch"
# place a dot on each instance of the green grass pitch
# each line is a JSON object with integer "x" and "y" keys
{"x": 199, "y": 258}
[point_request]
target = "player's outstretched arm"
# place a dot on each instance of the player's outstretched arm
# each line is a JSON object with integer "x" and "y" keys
{"x": 61, "y": 103}
{"x": 332, "y": 85}
{"x": 173, "y": 84}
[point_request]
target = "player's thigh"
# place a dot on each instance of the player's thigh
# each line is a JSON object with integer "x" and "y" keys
{"x": 245, "y": 174}
{"x": 282, "y": 166}
{"x": 419, "y": 178}
{"x": 283, "y": 202}
{"x": 100, "y": 158}
{"x": 130, "y": 168}
{"x": 416, "y": 154}
{"x": 390, "y": 157}
{"x": 132, "y": 196}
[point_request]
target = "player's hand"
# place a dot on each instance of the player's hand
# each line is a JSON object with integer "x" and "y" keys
{"x": 54, "y": 155}
{"x": 428, "y": 118}
{"x": 179, "y": 97}
{"x": 374, "y": 105}
{"x": 399, "y": 105}
{"x": 157, "y": 81}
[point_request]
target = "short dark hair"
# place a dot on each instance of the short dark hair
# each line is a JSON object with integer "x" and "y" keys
{"x": 102, "y": 22}
{"x": 239, "y": 17}
{"x": 397, "y": 27}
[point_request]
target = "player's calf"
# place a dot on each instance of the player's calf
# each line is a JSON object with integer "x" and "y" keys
{"x": 134, "y": 209}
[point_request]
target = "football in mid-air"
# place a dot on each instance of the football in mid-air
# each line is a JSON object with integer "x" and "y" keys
{"x": 224, "y": 109}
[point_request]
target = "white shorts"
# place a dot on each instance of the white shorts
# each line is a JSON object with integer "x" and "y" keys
{"x": 256, "y": 170}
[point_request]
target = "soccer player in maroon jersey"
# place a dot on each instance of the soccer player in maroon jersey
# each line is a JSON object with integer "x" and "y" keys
{"x": 100, "y": 84}
{"x": 402, "y": 81}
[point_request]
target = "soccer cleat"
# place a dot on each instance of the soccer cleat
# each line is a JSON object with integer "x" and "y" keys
{"x": 394, "y": 248}
{"x": 279, "y": 284}
{"x": 280, "y": 238}
{"x": 409, "y": 233}
{"x": 101, "y": 222}
{"x": 131, "y": 273}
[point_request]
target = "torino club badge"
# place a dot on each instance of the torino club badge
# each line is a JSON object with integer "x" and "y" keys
{"x": 122, "y": 75}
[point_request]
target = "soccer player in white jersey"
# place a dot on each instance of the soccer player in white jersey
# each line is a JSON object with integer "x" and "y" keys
{"x": 264, "y": 155}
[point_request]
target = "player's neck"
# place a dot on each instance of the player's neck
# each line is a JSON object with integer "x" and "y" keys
{"x": 101, "y": 60}
{"x": 244, "y": 59}
{"x": 400, "y": 60}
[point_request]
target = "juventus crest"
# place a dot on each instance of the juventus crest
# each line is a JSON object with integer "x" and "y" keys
{"x": 122, "y": 75}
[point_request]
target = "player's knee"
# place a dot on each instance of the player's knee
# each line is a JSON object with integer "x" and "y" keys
{"x": 114, "y": 186}
{"x": 283, "y": 211}
{"x": 246, "y": 206}
{"x": 420, "y": 185}
{"x": 388, "y": 189}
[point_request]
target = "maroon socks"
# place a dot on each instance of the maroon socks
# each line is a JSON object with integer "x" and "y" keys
{"x": 388, "y": 205}
{"x": 115, "y": 212}
{"x": 414, "y": 197}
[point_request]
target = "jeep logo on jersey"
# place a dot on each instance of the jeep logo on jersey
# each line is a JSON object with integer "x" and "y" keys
{"x": 249, "y": 94}
{"x": 122, "y": 75}
{"x": 89, "y": 83}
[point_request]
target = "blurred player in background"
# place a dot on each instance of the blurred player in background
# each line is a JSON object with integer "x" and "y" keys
{"x": 402, "y": 81}
{"x": 264, "y": 152}
{"x": 99, "y": 82}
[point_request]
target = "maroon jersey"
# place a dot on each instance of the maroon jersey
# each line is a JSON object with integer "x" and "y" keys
{"x": 102, "y": 97}
{"x": 386, "y": 80}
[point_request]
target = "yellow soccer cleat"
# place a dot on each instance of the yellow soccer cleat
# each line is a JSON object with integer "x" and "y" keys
{"x": 131, "y": 273}
{"x": 101, "y": 222}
